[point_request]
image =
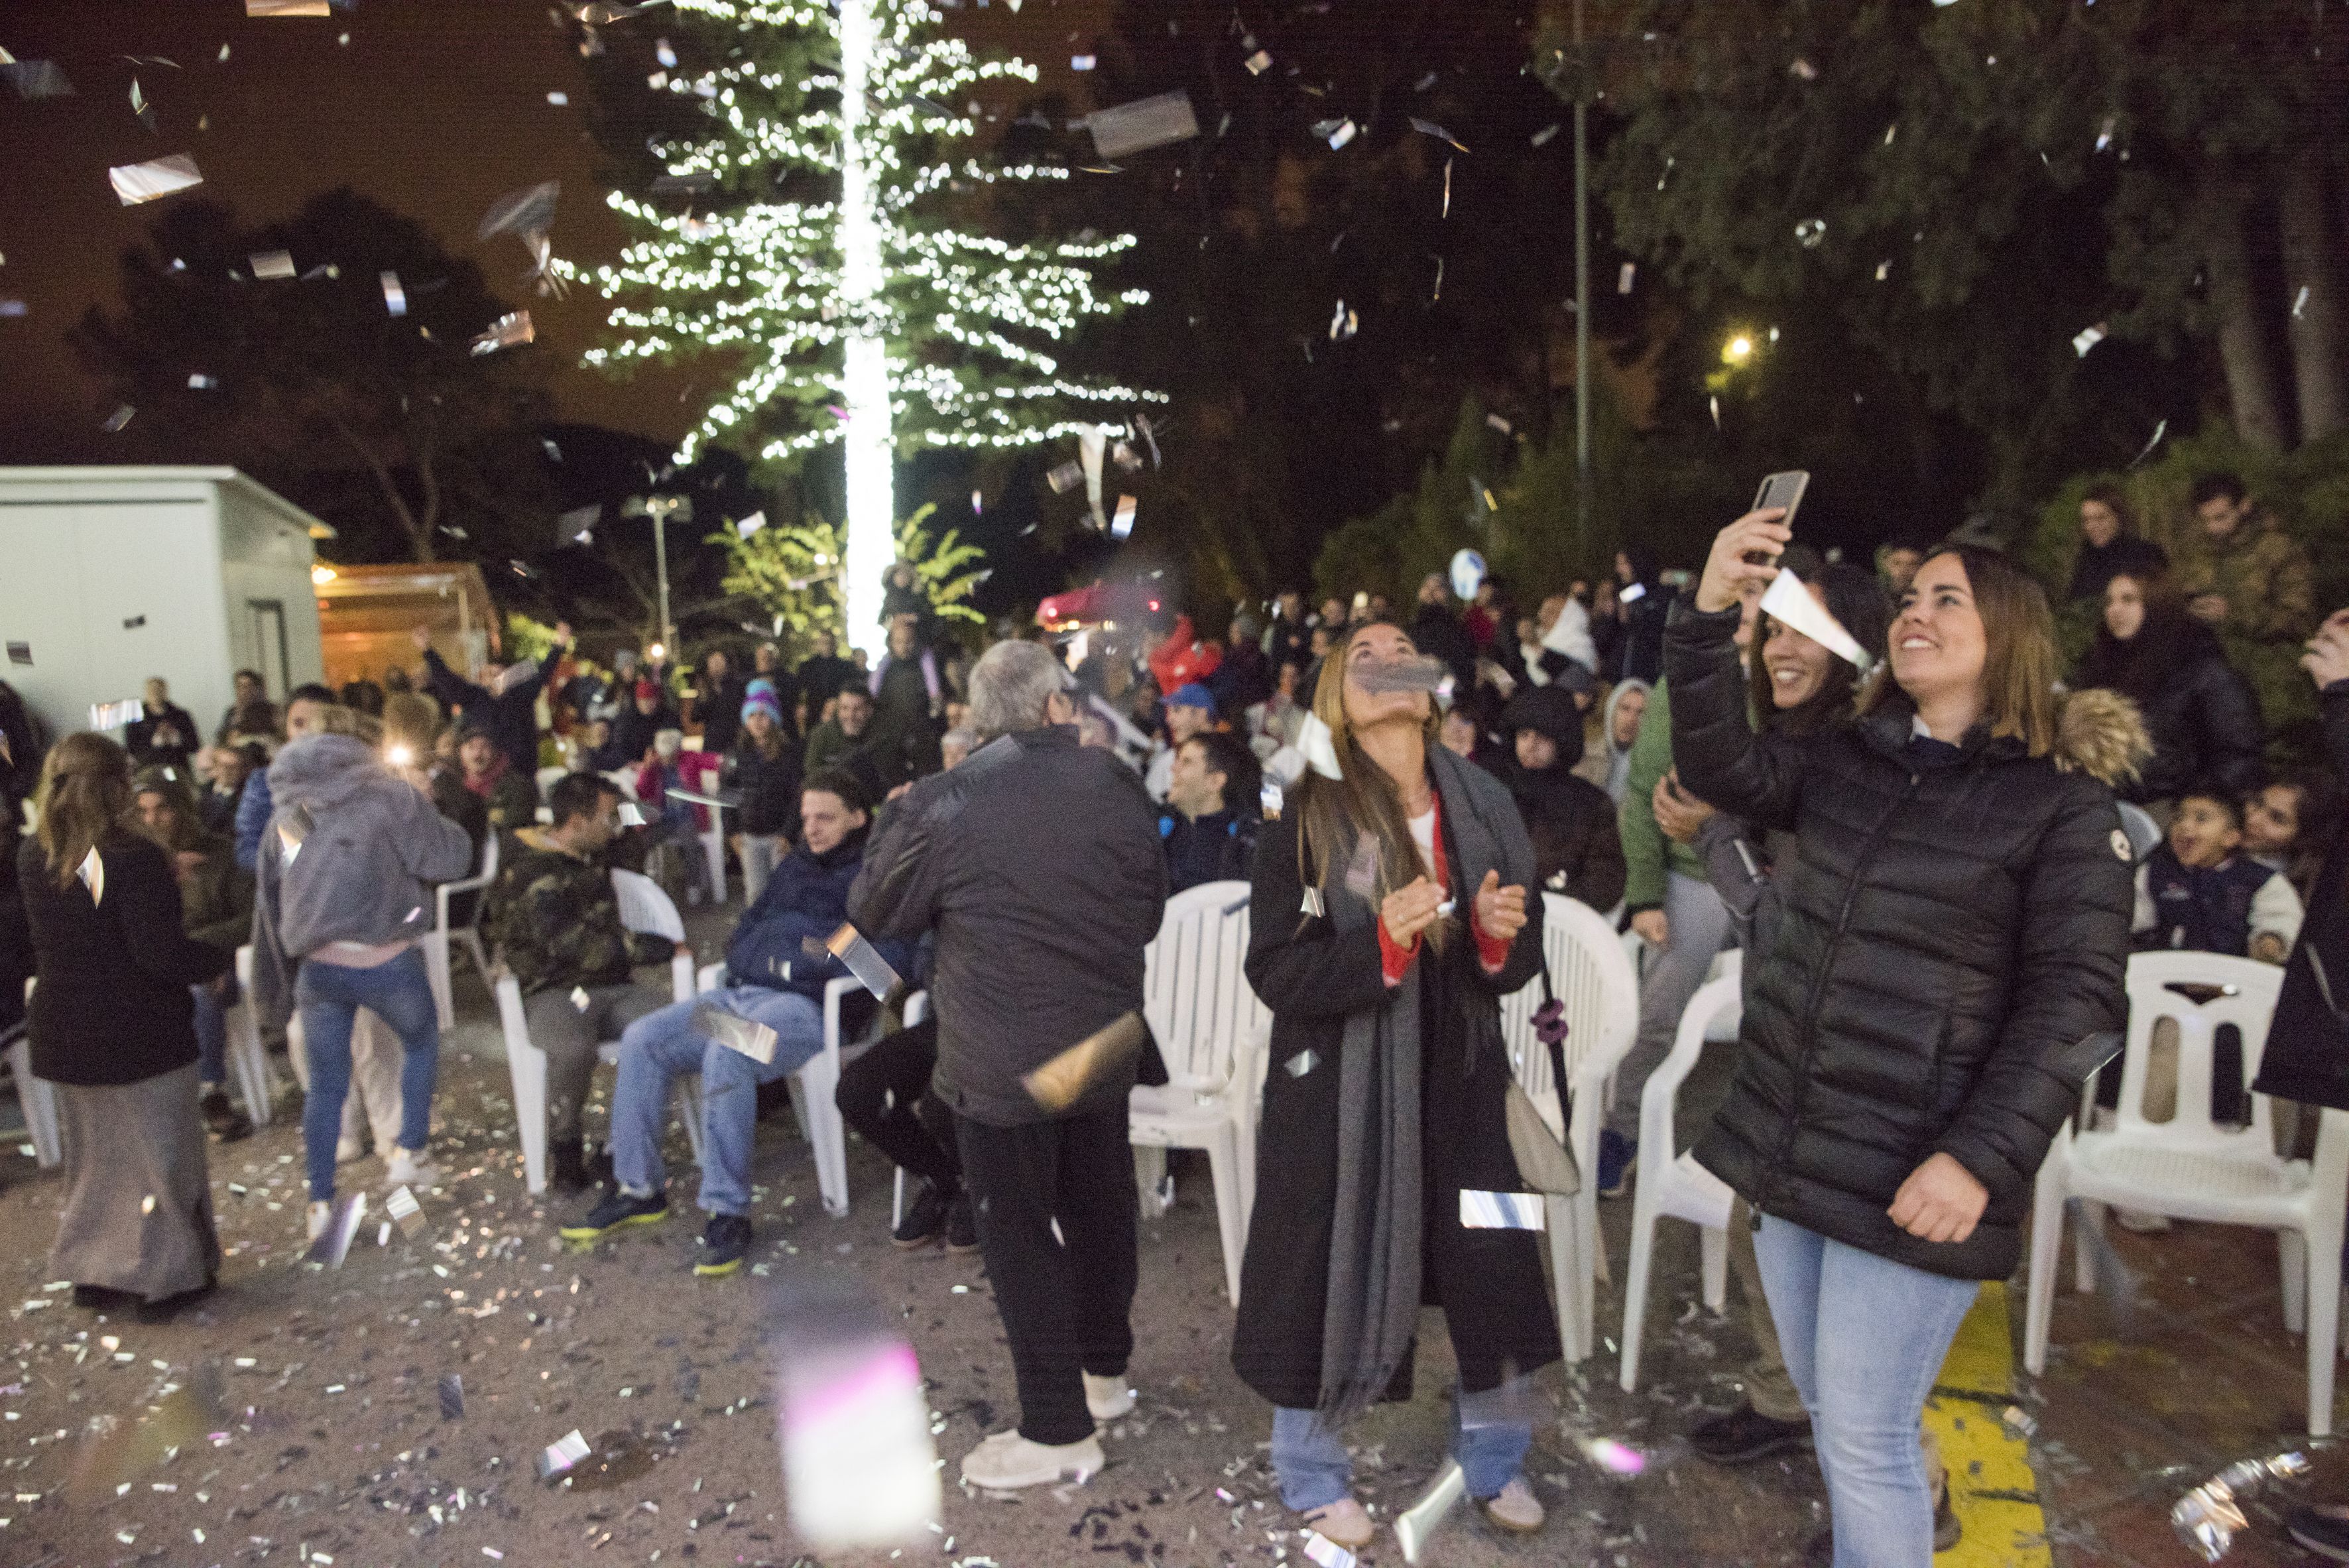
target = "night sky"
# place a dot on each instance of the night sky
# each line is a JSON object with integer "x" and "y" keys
{"x": 434, "y": 107}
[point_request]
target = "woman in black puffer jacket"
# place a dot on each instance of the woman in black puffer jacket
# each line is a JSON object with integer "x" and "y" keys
{"x": 2201, "y": 715}
{"x": 1946, "y": 969}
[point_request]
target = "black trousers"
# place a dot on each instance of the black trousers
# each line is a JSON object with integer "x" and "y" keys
{"x": 1064, "y": 1302}
{"x": 884, "y": 1093}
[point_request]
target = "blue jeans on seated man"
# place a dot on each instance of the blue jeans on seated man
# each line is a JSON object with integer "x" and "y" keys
{"x": 1864, "y": 1338}
{"x": 661, "y": 1045}
{"x": 1314, "y": 1470}
{"x": 330, "y": 996}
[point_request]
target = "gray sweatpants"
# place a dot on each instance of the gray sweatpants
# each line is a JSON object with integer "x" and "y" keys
{"x": 1699, "y": 929}
{"x": 569, "y": 1034}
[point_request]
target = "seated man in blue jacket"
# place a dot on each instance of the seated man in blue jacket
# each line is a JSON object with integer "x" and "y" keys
{"x": 772, "y": 979}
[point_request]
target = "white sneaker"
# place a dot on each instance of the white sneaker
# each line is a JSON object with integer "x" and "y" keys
{"x": 321, "y": 1216}
{"x": 349, "y": 1147}
{"x": 1516, "y": 1508}
{"x": 1007, "y": 1461}
{"x": 1107, "y": 1397}
{"x": 411, "y": 1168}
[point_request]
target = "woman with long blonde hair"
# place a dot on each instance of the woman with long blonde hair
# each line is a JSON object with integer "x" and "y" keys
{"x": 1390, "y": 914}
{"x": 112, "y": 1028}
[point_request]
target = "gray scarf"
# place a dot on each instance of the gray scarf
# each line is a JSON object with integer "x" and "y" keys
{"x": 1372, "y": 1309}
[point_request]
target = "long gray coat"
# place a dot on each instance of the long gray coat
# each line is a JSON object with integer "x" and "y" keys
{"x": 1490, "y": 1282}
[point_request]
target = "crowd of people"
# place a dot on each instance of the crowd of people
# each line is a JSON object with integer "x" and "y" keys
{"x": 1920, "y": 848}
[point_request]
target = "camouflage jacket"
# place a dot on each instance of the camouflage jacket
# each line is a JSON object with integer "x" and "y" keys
{"x": 2265, "y": 577}
{"x": 555, "y": 921}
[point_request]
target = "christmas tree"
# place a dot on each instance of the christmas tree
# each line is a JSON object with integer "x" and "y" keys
{"x": 823, "y": 252}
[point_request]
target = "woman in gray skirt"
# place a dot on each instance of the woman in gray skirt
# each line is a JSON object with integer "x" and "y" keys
{"x": 112, "y": 1029}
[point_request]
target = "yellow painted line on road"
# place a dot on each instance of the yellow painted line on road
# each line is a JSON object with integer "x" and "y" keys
{"x": 1990, "y": 1481}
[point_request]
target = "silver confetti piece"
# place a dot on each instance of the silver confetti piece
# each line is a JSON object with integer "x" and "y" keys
{"x": 1415, "y": 1526}
{"x": 272, "y": 263}
{"x": 2087, "y": 337}
{"x": 1362, "y": 868}
{"x": 746, "y": 1035}
{"x": 1429, "y": 128}
{"x": 452, "y": 1396}
{"x": 1320, "y": 1549}
{"x": 1131, "y": 127}
{"x": 1121, "y": 522}
{"x": 1301, "y": 1063}
{"x": 156, "y": 178}
{"x": 863, "y": 961}
{"x": 115, "y": 714}
{"x": 631, "y": 814}
{"x": 1401, "y": 674}
{"x": 2208, "y": 1518}
{"x": 1065, "y": 478}
{"x": 1269, "y": 800}
{"x": 1313, "y": 904}
{"x": 562, "y": 1454}
{"x": 1502, "y": 1210}
{"x": 395, "y": 298}
{"x": 509, "y": 331}
{"x": 405, "y": 1212}
{"x": 287, "y": 8}
{"x": 36, "y": 78}
{"x": 333, "y": 1243}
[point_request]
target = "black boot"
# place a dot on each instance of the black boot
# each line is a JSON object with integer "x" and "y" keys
{"x": 567, "y": 1166}
{"x": 221, "y": 1119}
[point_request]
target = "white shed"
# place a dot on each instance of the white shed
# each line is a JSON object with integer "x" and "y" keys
{"x": 109, "y": 575}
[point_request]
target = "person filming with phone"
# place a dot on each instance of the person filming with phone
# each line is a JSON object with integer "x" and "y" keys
{"x": 1945, "y": 970}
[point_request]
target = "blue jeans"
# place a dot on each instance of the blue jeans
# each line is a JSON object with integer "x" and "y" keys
{"x": 212, "y": 1038}
{"x": 661, "y": 1045}
{"x": 330, "y": 996}
{"x": 1315, "y": 1471}
{"x": 1864, "y": 1338}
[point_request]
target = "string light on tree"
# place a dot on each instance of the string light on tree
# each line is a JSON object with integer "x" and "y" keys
{"x": 826, "y": 263}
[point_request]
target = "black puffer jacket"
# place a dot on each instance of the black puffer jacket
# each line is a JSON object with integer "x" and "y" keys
{"x": 1947, "y": 963}
{"x": 2201, "y": 715}
{"x": 2307, "y": 1054}
{"x": 1037, "y": 863}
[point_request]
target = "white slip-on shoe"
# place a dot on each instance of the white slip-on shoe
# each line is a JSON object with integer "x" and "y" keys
{"x": 1007, "y": 1461}
{"x": 1344, "y": 1522}
{"x": 411, "y": 1168}
{"x": 1107, "y": 1397}
{"x": 321, "y": 1216}
{"x": 1516, "y": 1508}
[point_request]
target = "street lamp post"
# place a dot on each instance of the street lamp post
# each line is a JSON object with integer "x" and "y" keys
{"x": 1581, "y": 291}
{"x": 660, "y": 509}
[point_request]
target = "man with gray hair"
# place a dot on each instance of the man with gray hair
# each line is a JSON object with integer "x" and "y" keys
{"x": 1037, "y": 863}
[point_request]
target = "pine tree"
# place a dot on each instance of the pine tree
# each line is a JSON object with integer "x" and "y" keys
{"x": 827, "y": 254}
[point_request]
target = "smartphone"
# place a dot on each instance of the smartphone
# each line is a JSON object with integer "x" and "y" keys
{"x": 1783, "y": 489}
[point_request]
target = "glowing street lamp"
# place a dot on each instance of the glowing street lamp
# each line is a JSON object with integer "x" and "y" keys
{"x": 1737, "y": 350}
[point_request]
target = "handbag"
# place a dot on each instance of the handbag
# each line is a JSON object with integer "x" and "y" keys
{"x": 1544, "y": 1164}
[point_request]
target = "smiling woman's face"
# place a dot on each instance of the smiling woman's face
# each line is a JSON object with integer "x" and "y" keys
{"x": 1797, "y": 665}
{"x": 1939, "y": 645}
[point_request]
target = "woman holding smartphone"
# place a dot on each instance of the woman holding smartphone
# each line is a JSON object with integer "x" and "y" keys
{"x": 1945, "y": 970}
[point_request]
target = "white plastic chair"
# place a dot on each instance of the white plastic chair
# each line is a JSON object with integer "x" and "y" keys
{"x": 1209, "y": 1027}
{"x": 2192, "y": 1169}
{"x": 815, "y": 1089}
{"x": 1679, "y": 1188}
{"x": 1591, "y": 973}
{"x": 713, "y": 850}
{"x": 436, "y": 941}
{"x": 247, "y": 1058}
{"x": 643, "y": 907}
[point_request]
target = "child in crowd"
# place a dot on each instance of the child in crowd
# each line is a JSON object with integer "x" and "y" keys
{"x": 2199, "y": 892}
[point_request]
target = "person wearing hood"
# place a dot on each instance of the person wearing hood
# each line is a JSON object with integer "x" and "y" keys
{"x": 505, "y": 704}
{"x": 2202, "y": 714}
{"x": 1944, "y": 970}
{"x": 108, "y": 1026}
{"x": 1610, "y": 766}
{"x": 2110, "y": 545}
{"x": 772, "y": 980}
{"x": 1437, "y": 631}
{"x": 1561, "y": 634}
{"x": 1577, "y": 850}
{"x": 907, "y": 698}
{"x": 347, "y": 865}
{"x": 216, "y": 909}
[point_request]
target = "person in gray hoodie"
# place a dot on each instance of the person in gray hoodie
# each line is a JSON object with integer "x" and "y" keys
{"x": 346, "y": 870}
{"x": 1609, "y": 766}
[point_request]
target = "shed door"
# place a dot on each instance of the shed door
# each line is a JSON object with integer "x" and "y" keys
{"x": 266, "y": 636}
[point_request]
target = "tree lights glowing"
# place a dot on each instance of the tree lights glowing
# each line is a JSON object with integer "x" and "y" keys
{"x": 819, "y": 260}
